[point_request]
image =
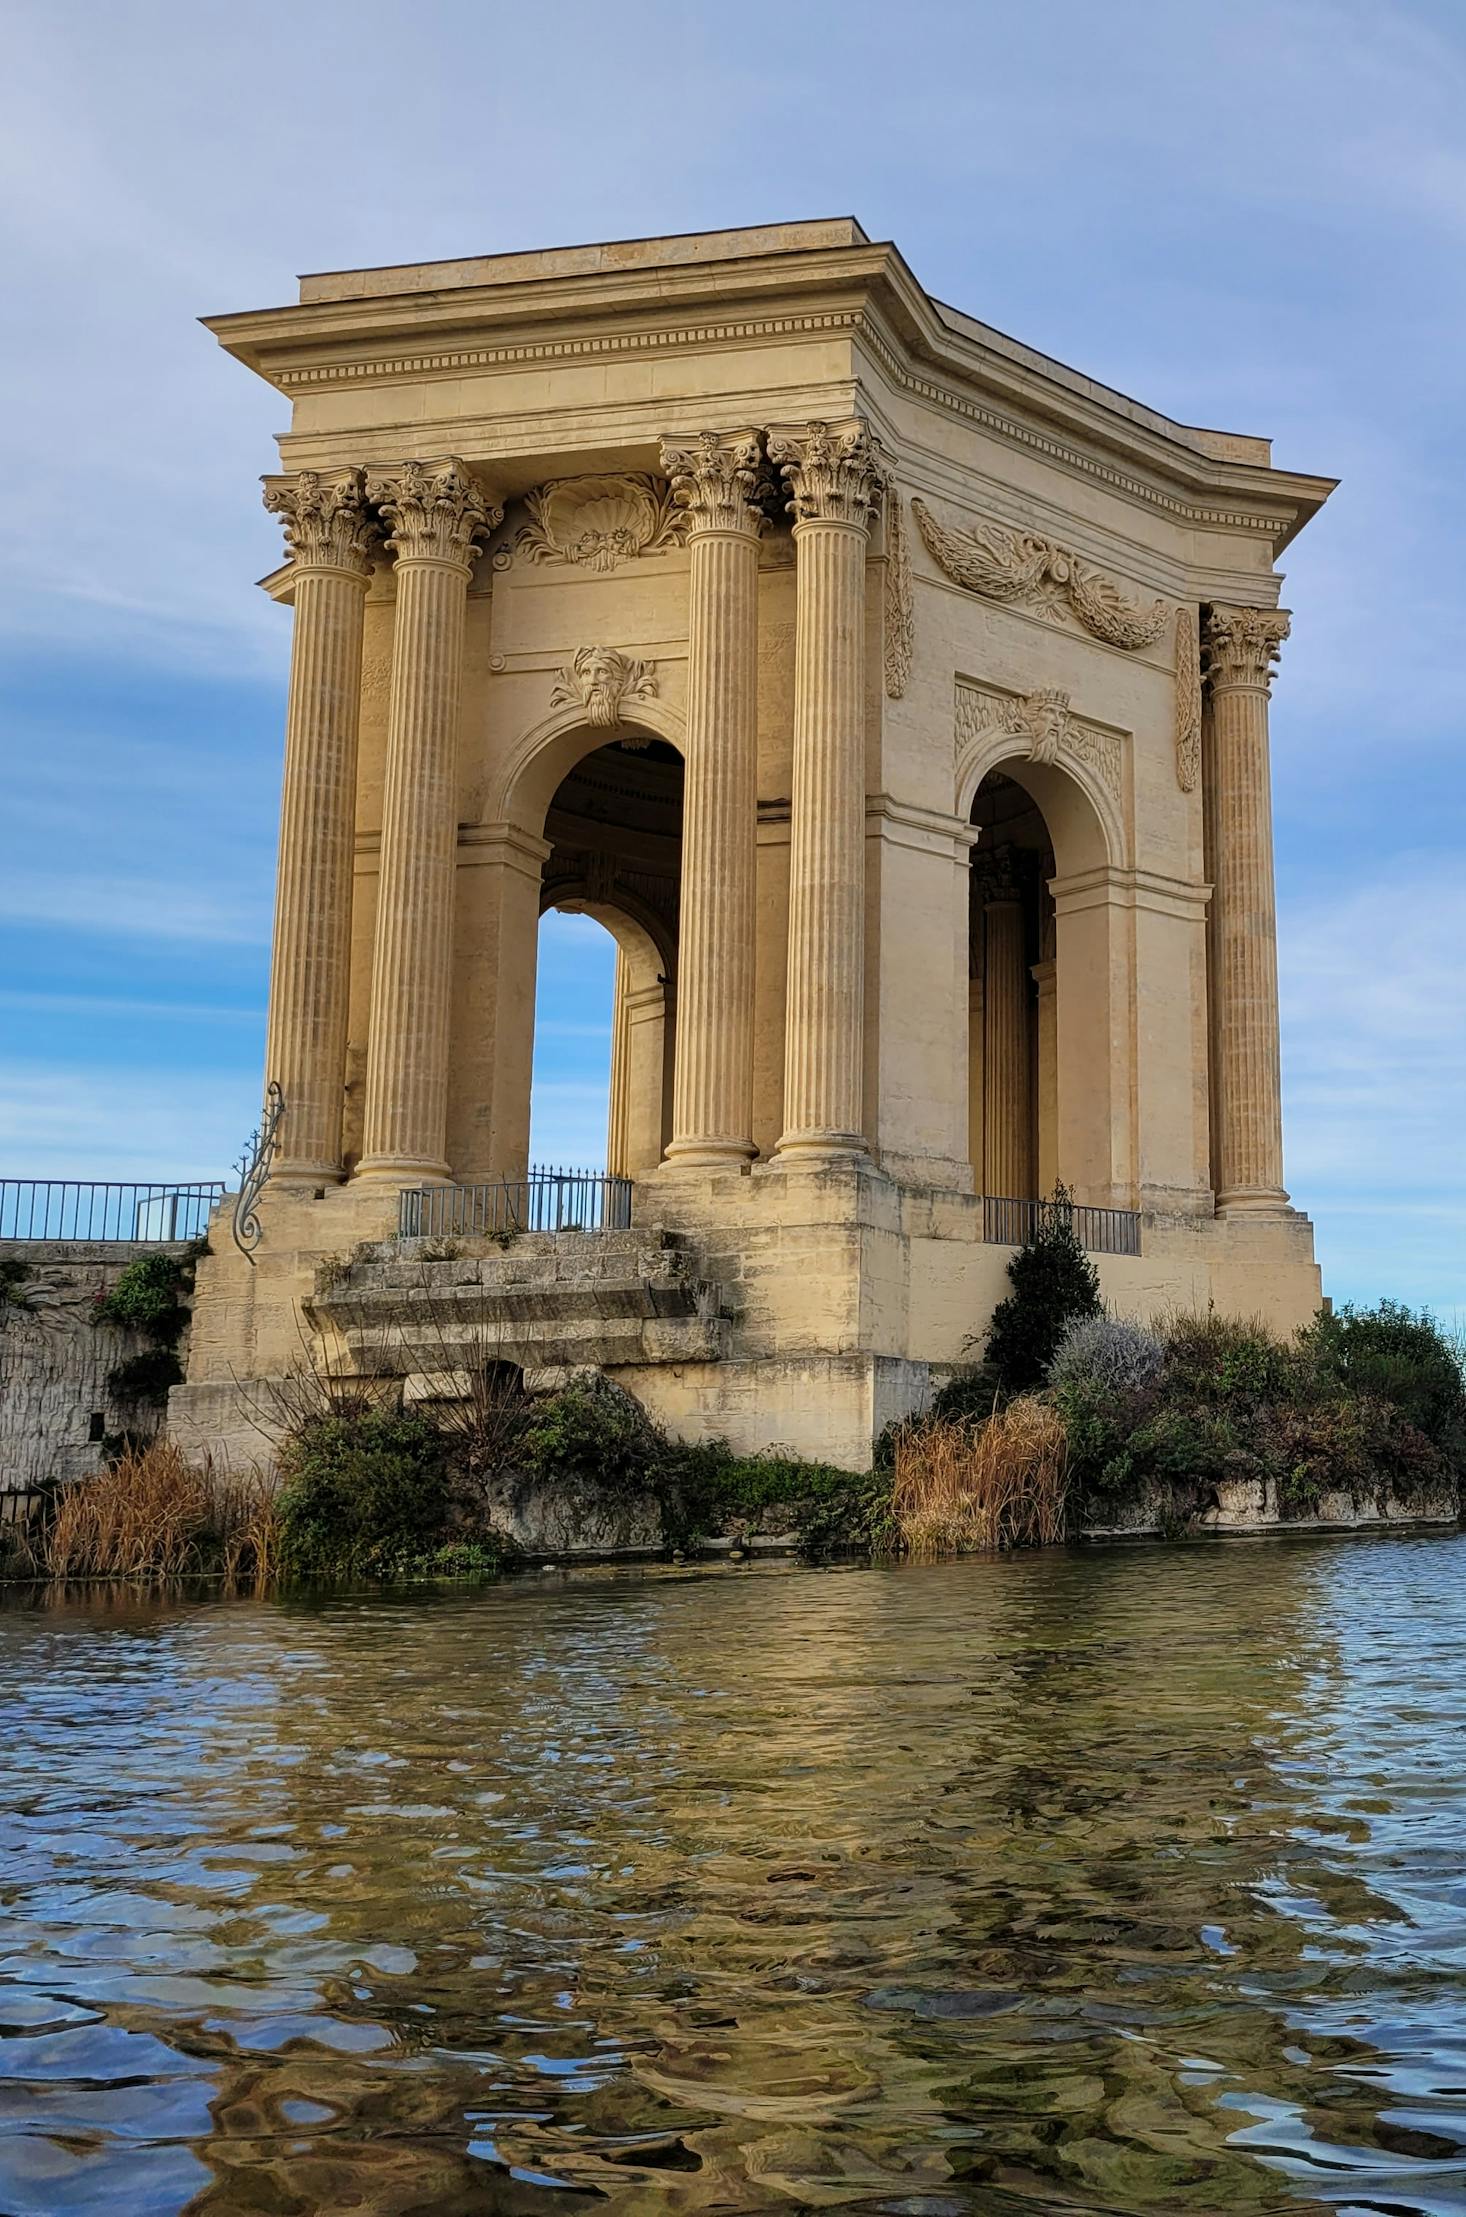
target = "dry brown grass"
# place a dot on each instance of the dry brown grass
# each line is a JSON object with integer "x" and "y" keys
{"x": 155, "y": 1515}
{"x": 963, "y": 1489}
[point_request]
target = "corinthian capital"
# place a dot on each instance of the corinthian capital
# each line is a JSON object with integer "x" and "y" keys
{"x": 717, "y": 480}
{"x": 1242, "y": 644}
{"x": 325, "y": 518}
{"x": 834, "y": 472}
{"x": 435, "y": 511}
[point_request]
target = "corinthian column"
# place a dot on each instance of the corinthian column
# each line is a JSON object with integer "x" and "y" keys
{"x": 1007, "y": 1169}
{"x": 1242, "y": 645}
{"x": 715, "y": 481}
{"x": 437, "y": 517}
{"x": 329, "y": 537}
{"x": 835, "y": 478}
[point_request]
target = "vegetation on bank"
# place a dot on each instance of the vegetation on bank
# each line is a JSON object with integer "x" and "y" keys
{"x": 1067, "y": 1420}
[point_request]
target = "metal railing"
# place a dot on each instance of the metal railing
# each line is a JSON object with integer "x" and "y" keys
{"x": 544, "y": 1201}
{"x": 88, "y": 1209}
{"x": 1098, "y": 1231}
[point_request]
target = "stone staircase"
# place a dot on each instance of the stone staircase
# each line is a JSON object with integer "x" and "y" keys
{"x": 429, "y": 1310}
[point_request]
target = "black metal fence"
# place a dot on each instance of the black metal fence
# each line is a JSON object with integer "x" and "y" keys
{"x": 1099, "y": 1231}
{"x": 72, "y": 1208}
{"x": 545, "y": 1201}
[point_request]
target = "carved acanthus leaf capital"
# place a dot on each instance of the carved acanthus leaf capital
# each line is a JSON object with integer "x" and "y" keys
{"x": 602, "y": 680}
{"x": 435, "y": 511}
{"x": 835, "y": 472}
{"x": 1242, "y": 644}
{"x": 325, "y": 517}
{"x": 718, "y": 480}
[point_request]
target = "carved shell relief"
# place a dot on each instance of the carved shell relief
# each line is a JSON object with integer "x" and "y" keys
{"x": 1046, "y": 727}
{"x": 598, "y": 523}
{"x": 1024, "y": 568}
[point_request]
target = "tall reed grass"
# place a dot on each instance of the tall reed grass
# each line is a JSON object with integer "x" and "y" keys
{"x": 152, "y": 1514}
{"x": 964, "y": 1489}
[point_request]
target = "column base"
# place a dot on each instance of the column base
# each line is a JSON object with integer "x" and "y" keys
{"x": 402, "y": 1170}
{"x": 306, "y": 1174}
{"x": 820, "y": 1150}
{"x": 708, "y": 1154}
{"x": 1253, "y": 1200}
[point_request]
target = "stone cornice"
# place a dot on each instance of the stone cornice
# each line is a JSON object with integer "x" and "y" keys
{"x": 857, "y": 289}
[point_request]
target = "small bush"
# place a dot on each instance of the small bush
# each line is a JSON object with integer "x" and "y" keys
{"x": 146, "y": 1377}
{"x": 707, "y": 1490}
{"x": 594, "y": 1435}
{"x": 1053, "y": 1282}
{"x": 969, "y": 1398}
{"x": 1396, "y": 1356}
{"x": 149, "y": 1516}
{"x": 362, "y": 1489}
{"x": 1105, "y": 1352}
{"x": 14, "y": 1276}
{"x": 145, "y": 1298}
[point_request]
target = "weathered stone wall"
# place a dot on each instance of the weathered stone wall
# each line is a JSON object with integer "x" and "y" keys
{"x": 55, "y": 1407}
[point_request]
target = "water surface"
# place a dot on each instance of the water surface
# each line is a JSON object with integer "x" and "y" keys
{"x": 1124, "y": 1881}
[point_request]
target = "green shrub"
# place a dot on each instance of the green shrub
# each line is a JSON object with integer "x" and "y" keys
{"x": 15, "y": 1273}
{"x": 1400, "y": 1357}
{"x": 145, "y": 1377}
{"x": 1053, "y": 1282}
{"x": 968, "y": 1398}
{"x": 363, "y": 1489}
{"x": 145, "y": 1298}
{"x": 706, "y": 1489}
{"x": 593, "y": 1435}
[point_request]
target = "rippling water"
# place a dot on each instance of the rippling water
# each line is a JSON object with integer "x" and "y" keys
{"x": 1132, "y": 1880}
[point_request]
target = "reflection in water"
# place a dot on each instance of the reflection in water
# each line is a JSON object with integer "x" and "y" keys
{"x": 1124, "y": 1881}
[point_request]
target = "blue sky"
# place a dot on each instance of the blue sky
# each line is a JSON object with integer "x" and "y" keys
{"x": 1246, "y": 215}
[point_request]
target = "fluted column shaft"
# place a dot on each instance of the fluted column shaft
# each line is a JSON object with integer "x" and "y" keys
{"x": 1007, "y": 1057}
{"x": 1242, "y": 645}
{"x": 437, "y": 516}
{"x": 835, "y": 478}
{"x": 310, "y": 974}
{"x": 712, "y": 1103}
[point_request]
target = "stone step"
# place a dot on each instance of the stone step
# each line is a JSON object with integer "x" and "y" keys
{"x": 598, "y": 1299}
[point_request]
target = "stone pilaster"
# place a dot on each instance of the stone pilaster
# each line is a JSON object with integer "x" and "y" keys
{"x": 715, "y": 481}
{"x": 1242, "y": 645}
{"x": 1046, "y": 1058}
{"x": 1007, "y": 1051}
{"x": 330, "y": 537}
{"x": 436, "y": 517}
{"x": 835, "y": 478}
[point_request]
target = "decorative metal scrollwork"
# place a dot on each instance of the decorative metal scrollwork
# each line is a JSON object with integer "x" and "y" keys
{"x": 254, "y": 1170}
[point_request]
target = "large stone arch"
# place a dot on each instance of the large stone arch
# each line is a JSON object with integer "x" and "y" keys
{"x": 1091, "y": 1013}
{"x": 1085, "y": 818}
{"x": 544, "y": 755}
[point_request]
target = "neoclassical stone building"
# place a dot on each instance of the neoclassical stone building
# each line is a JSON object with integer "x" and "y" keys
{"x": 898, "y": 699}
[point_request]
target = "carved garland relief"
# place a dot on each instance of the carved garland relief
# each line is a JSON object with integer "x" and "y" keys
{"x": 900, "y": 615}
{"x": 1024, "y": 568}
{"x": 1188, "y": 697}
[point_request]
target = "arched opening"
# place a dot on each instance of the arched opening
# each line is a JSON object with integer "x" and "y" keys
{"x": 1012, "y": 1004}
{"x": 1051, "y": 1034}
{"x": 614, "y": 827}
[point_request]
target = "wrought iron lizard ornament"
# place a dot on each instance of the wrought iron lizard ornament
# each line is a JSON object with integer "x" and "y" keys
{"x": 254, "y": 1170}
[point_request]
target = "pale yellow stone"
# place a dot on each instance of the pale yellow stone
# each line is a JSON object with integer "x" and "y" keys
{"x": 852, "y": 558}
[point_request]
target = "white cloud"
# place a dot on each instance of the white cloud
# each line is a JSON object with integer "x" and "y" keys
{"x": 131, "y": 907}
